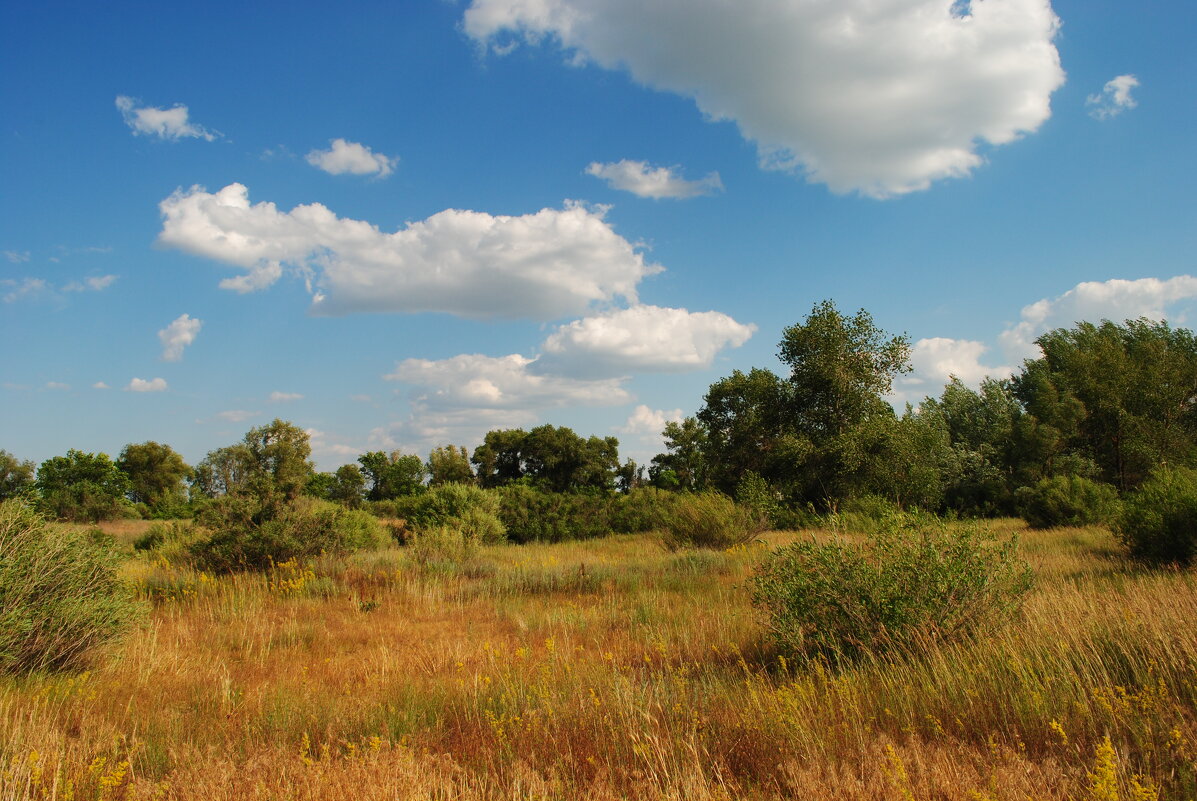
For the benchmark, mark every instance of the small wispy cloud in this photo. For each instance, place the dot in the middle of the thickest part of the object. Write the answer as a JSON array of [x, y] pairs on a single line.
[[94, 284], [351, 157], [177, 336], [644, 180], [57, 385], [26, 287], [284, 397], [165, 123], [1114, 98], [236, 415], [146, 385], [16, 257], [100, 385]]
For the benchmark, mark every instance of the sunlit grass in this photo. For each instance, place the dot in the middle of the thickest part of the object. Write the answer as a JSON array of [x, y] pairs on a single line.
[[607, 669]]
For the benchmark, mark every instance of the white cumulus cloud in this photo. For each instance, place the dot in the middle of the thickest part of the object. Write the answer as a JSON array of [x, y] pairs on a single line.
[[144, 385], [644, 180], [351, 157], [1114, 98], [640, 339], [164, 123], [1092, 301], [460, 398], [646, 421], [935, 360], [179, 334], [100, 385], [880, 98], [543, 265]]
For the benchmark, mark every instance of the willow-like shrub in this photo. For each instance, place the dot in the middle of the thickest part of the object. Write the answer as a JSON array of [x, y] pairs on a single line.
[[898, 591], [709, 520], [60, 596]]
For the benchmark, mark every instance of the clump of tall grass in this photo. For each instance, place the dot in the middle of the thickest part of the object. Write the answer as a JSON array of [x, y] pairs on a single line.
[[901, 589], [708, 520], [60, 595]]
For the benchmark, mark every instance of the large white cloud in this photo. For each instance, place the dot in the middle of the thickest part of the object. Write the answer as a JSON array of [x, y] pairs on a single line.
[[181, 332], [353, 158], [1114, 98], [474, 381], [650, 422], [1092, 301], [461, 398], [545, 265], [644, 180], [935, 360], [164, 123], [640, 339], [876, 96]]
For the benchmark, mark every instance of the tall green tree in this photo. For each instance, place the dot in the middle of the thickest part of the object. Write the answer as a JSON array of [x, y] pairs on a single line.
[[16, 476], [449, 465], [841, 368], [683, 465], [157, 475], [82, 486], [743, 416], [391, 475], [1121, 396]]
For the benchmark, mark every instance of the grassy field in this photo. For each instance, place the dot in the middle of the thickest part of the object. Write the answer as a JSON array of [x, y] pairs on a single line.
[[607, 669]]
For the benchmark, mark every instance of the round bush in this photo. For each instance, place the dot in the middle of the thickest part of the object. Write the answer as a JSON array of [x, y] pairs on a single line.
[[533, 515], [303, 528], [60, 595], [471, 510], [709, 520], [1159, 520], [1067, 501], [901, 589]]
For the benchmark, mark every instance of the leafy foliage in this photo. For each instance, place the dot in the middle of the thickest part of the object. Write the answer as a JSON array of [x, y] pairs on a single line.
[[472, 511], [16, 476], [1067, 501], [60, 595], [532, 515], [905, 588], [550, 457], [449, 465], [709, 520], [1159, 520], [82, 487], [157, 476], [392, 475], [302, 528]]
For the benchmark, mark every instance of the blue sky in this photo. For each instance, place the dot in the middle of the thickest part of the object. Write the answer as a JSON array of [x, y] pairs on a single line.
[[402, 224]]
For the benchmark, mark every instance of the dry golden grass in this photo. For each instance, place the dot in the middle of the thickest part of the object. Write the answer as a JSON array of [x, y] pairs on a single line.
[[607, 669]]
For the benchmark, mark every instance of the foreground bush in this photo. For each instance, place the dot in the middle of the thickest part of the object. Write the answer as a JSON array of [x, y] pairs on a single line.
[[303, 528], [60, 596], [709, 520], [902, 589], [1067, 501], [1159, 520], [532, 515]]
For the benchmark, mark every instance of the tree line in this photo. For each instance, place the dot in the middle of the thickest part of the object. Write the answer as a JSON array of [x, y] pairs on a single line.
[[1107, 403]]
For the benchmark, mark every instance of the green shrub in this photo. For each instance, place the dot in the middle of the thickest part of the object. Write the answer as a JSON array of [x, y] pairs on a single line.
[[441, 547], [532, 515], [1159, 520], [709, 520], [641, 510], [1067, 501], [902, 589], [303, 528], [60, 595], [469, 509]]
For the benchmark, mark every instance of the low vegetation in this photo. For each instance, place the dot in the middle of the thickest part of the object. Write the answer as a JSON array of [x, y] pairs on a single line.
[[609, 669], [60, 595]]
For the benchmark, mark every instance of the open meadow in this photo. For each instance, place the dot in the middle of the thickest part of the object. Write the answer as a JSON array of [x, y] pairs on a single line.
[[606, 669]]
